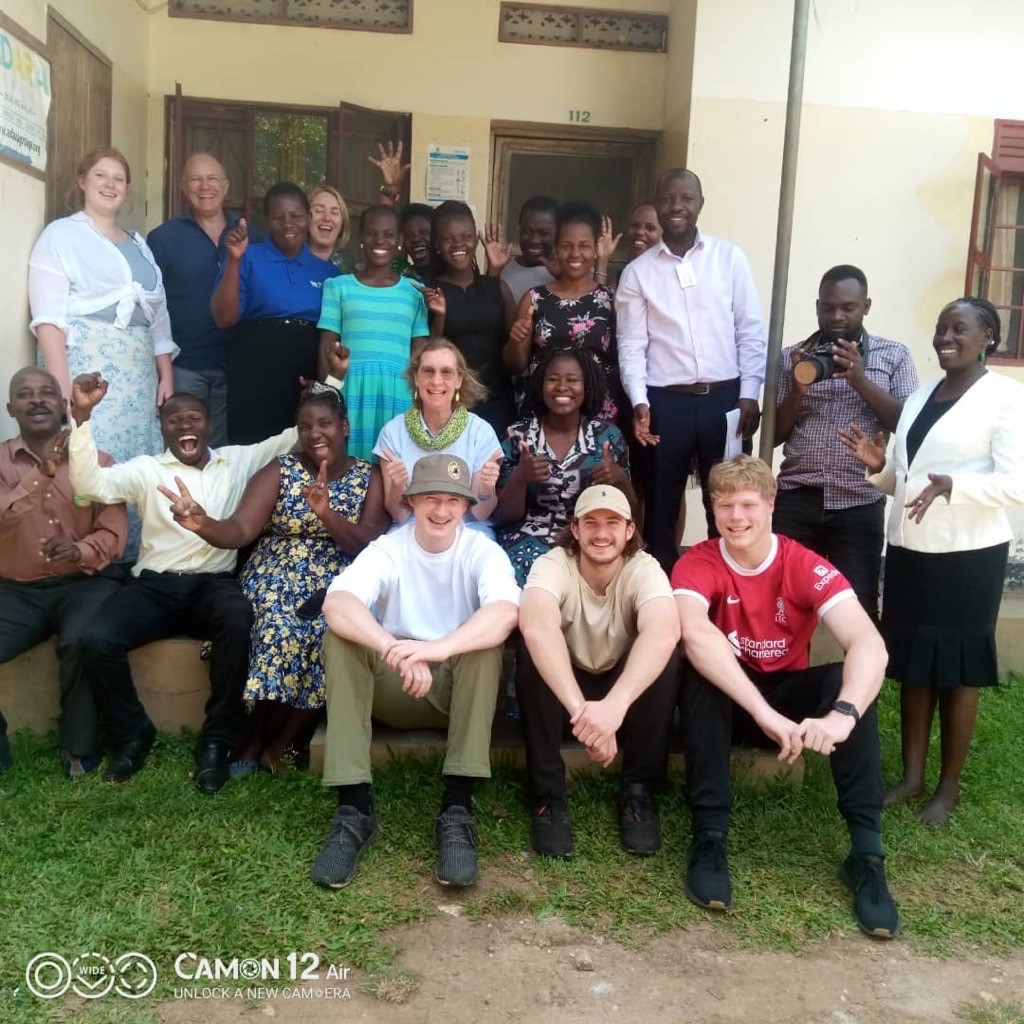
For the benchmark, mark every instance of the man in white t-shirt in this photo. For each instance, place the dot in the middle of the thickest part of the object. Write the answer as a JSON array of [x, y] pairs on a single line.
[[600, 630], [417, 624]]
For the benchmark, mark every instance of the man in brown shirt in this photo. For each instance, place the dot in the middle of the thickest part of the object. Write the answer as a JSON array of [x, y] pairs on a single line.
[[53, 555]]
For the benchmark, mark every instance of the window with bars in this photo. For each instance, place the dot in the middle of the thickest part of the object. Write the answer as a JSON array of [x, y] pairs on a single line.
[[363, 15], [995, 255], [555, 25]]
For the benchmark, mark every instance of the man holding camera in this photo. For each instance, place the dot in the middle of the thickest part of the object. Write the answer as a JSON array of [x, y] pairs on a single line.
[[838, 376]]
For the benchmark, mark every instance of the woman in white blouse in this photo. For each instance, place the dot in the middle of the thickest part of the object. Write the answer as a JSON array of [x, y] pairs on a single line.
[[98, 304], [957, 463]]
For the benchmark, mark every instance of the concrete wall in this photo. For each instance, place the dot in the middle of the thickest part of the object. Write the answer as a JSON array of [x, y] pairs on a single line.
[[451, 74], [120, 30]]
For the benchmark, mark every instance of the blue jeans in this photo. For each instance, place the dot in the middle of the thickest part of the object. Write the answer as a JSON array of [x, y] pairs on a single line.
[[212, 387]]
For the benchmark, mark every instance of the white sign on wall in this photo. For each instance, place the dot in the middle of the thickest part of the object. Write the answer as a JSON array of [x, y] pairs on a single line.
[[447, 173], [24, 102]]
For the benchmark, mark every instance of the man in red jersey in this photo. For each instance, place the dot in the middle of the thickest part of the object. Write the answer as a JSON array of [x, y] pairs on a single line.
[[748, 604]]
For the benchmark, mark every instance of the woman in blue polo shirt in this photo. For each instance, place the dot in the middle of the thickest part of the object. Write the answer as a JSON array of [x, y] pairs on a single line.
[[271, 290]]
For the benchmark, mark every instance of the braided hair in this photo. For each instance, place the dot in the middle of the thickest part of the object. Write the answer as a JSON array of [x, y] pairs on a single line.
[[987, 314], [595, 384]]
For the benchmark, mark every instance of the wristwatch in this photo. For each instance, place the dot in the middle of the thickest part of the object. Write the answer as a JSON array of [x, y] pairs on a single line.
[[844, 707]]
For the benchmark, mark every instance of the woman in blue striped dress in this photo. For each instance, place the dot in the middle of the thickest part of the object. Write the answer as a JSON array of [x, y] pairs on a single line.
[[375, 316]]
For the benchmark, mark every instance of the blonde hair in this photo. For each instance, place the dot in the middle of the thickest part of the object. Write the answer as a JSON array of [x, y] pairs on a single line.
[[346, 225], [75, 197], [742, 473], [471, 392]]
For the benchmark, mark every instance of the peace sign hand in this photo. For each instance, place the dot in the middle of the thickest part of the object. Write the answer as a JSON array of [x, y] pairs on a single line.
[[499, 252], [316, 493], [187, 512]]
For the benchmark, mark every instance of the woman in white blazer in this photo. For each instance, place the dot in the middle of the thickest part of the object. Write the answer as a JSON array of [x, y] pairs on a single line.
[[957, 462], [98, 304]]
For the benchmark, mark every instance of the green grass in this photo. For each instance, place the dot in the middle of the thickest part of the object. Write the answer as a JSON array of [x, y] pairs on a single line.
[[993, 1013], [155, 866]]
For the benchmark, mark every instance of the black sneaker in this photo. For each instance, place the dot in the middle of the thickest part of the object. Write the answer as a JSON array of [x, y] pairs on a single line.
[[455, 835], [864, 875], [350, 837], [707, 871], [551, 829], [638, 822]]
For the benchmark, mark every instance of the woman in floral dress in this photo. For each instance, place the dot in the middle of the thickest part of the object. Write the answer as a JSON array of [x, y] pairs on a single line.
[[554, 454], [313, 511], [573, 311]]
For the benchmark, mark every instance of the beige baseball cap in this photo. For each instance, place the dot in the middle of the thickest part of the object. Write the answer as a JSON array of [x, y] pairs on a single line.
[[441, 474], [602, 496]]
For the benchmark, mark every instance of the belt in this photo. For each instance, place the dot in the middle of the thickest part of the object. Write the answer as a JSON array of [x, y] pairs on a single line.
[[702, 388]]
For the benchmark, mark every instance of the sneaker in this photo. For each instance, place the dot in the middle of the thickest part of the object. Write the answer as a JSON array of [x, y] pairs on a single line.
[[350, 837], [455, 835], [79, 767], [707, 871], [551, 829], [638, 822], [864, 875]]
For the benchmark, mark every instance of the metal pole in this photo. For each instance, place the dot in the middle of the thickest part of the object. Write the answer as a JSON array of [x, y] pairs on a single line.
[[784, 230]]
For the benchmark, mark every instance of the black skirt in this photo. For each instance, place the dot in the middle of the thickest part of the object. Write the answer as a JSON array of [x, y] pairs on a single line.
[[265, 359], [939, 615]]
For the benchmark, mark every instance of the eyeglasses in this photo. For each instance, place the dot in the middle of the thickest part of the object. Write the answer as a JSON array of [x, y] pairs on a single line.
[[446, 373]]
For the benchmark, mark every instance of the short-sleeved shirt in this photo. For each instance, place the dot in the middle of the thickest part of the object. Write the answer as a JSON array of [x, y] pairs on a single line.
[[813, 455], [599, 629], [768, 614], [421, 595], [377, 324], [521, 279], [274, 286]]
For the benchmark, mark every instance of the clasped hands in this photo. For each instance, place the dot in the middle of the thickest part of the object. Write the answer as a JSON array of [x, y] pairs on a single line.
[[822, 735], [412, 659]]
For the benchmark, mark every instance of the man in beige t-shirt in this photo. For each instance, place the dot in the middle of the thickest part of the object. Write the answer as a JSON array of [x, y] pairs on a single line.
[[600, 634]]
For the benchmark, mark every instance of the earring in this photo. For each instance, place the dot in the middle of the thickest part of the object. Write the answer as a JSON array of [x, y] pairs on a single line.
[[983, 356], [458, 395]]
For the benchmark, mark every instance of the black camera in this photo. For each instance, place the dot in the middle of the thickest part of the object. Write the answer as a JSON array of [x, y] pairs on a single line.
[[817, 361]]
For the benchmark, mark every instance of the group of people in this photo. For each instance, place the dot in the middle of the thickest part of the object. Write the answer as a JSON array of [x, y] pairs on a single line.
[[424, 461]]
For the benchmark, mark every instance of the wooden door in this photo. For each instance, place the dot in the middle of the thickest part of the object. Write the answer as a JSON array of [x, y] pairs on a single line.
[[80, 109]]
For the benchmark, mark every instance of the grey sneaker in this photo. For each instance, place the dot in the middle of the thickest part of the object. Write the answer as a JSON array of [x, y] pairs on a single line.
[[455, 836], [350, 837]]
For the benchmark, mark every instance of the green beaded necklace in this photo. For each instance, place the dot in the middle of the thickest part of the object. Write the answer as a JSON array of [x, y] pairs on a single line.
[[449, 434]]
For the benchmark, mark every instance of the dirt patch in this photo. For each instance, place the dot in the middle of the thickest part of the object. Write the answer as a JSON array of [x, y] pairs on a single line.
[[519, 969]]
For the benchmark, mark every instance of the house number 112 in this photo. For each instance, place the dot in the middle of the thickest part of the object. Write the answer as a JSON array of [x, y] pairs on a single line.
[[580, 116]]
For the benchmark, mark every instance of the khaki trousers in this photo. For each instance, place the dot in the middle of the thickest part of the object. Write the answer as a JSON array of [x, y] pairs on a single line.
[[361, 686]]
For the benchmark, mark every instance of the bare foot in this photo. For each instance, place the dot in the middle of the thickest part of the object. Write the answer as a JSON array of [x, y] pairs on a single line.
[[274, 762], [904, 791], [941, 806]]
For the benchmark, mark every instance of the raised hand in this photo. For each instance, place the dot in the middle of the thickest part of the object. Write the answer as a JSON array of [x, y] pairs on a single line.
[[435, 300], [236, 241], [338, 359], [642, 427], [87, 391], [606, 242], [940, 487], [608, 471], [396, 476], [187, 512], [389, 163], [868, 451], [533, 467], [486, 478], [499, 252], [316, 493], [55, 452], [522, 330]]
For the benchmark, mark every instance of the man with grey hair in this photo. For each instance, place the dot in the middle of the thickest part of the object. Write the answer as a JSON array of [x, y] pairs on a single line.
[[190, 249]]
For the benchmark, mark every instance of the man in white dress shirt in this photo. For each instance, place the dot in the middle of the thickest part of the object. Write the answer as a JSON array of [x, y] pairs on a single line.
[[692, 347], [181, 584]]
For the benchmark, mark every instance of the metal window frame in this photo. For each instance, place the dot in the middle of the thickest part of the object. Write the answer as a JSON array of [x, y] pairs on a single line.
[[293, 22], [580, 13]]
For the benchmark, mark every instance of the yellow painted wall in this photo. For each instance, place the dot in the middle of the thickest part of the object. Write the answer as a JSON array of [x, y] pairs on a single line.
[[451, 73], [672, 149]]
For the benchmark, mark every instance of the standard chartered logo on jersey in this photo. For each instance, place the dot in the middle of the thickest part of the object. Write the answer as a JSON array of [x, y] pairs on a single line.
[[91, 975]]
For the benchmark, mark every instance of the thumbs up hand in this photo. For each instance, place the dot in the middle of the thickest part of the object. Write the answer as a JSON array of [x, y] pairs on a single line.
[[236, 241], [533, 467], [608, 471]]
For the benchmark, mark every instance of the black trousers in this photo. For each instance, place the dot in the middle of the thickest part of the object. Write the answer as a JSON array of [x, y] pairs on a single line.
[[712, 722], [210, 606], [643, 737], [850, 538], [689, 425], [31, 612]]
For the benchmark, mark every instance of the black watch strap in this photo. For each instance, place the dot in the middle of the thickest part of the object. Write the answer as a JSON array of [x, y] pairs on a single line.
[[844, 707]]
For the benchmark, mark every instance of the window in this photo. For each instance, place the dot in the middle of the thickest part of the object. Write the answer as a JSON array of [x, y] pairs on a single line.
[[260, 144], [364, 15], [552, 25], [995, 256]]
